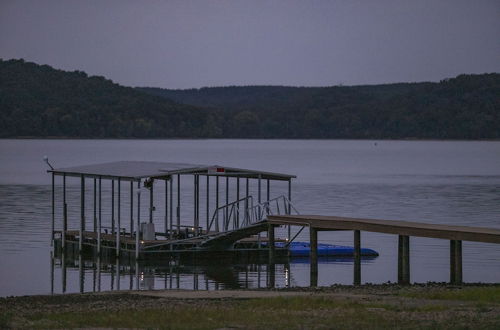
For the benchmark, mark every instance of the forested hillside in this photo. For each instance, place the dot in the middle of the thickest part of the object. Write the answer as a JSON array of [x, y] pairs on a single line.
[[39, 101], [465, 107]]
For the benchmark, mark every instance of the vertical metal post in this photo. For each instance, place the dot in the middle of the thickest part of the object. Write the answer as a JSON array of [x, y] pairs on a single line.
[[171, 204], [238, 202], [357, 257], [151, 203], [260, 200], [455, 262], [64, 273], [208, 202], [99, 219], [197, 204], [217, 203], [194, 203], [166, 208], [51, 272], [313, 243], [226, 210], [178, 203], [289, 209], [65, 214], [268, 195], [53, 211], [95, 205], [138, 228], [82, 212], [81, 273], [119, 220], [247, 215], [131, 208], [112, 206]]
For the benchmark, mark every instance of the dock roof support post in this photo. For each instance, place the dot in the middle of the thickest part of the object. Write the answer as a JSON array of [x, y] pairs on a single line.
[[137, 230], [404, 259], [171, 205], [95, 205], [357, 257], [260, 212], [112, 206], [247, 213], [455, 262], [119, 219], [99, 219], [178, 203], [289, 208], [313, 245], [217, 203], [131, 208], [65, 214], [226, 210], [238, 202], [53, 211], [82, 212], [194, 204], [208, 202], [197, 204], [166, 208], [151, 202]]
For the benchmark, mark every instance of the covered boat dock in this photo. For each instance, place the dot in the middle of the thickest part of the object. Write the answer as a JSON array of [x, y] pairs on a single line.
[[236, 211]]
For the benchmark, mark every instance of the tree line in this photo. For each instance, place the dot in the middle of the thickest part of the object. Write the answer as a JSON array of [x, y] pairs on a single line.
[[40, 101]]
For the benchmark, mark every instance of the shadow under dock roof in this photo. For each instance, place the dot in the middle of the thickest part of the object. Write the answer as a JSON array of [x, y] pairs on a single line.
[[136, 170]]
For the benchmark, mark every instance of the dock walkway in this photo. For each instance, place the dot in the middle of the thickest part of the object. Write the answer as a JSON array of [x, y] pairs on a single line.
[[405, 229]]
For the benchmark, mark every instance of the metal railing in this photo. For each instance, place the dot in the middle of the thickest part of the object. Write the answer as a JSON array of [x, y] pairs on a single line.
[[228, 216], [275, 206]]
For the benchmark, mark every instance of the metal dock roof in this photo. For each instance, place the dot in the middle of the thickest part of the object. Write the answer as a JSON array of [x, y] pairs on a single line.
[[136, 170]]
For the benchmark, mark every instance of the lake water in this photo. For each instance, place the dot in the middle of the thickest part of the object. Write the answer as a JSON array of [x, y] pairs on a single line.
[[432, 181]]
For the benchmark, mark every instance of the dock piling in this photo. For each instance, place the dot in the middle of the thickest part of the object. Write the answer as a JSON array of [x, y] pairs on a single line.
[[455, 262], [313, 245], [82, 212], [357, 257], [404, 259]]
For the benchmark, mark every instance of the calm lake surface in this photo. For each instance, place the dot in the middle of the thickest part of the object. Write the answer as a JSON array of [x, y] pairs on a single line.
[[432, 181]]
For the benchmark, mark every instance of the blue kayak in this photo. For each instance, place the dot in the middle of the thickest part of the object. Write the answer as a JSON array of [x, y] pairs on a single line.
[[301, 249]]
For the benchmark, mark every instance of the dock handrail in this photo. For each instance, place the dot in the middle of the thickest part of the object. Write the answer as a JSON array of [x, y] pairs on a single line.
[[230, 213], [260, 211]]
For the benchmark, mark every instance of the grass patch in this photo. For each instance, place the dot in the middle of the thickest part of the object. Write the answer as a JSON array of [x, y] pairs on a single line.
[[481, 295]]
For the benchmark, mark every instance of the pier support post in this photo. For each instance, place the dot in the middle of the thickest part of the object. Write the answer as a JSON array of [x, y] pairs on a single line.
[[53, 211], [65, 214], [272, 248], [404, 259], [455, 262], [151, 201], [138, 228], [178, 203], [82, 212], [272, 255], [112, 206], [208, 202], [119, 219], [357, 257], [313, 244], [99, 219]]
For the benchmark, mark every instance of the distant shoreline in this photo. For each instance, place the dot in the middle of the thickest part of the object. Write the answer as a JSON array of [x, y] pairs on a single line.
[[249, 139]]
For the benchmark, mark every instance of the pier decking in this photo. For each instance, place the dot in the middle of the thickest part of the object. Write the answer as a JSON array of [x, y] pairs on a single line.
[[405, 229]]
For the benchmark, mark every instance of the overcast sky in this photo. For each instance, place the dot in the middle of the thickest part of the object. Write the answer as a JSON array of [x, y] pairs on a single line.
[[183, 44]]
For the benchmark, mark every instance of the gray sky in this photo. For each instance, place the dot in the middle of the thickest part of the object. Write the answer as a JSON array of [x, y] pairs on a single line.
[[183, 44]]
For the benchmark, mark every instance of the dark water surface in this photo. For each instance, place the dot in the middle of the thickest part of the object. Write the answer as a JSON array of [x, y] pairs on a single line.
[[437, 182]]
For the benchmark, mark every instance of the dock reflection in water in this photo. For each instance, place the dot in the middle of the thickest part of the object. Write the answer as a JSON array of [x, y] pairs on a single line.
[[71, 272]]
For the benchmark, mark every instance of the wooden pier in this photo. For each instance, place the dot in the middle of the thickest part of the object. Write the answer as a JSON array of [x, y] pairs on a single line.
[[404, 229]]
